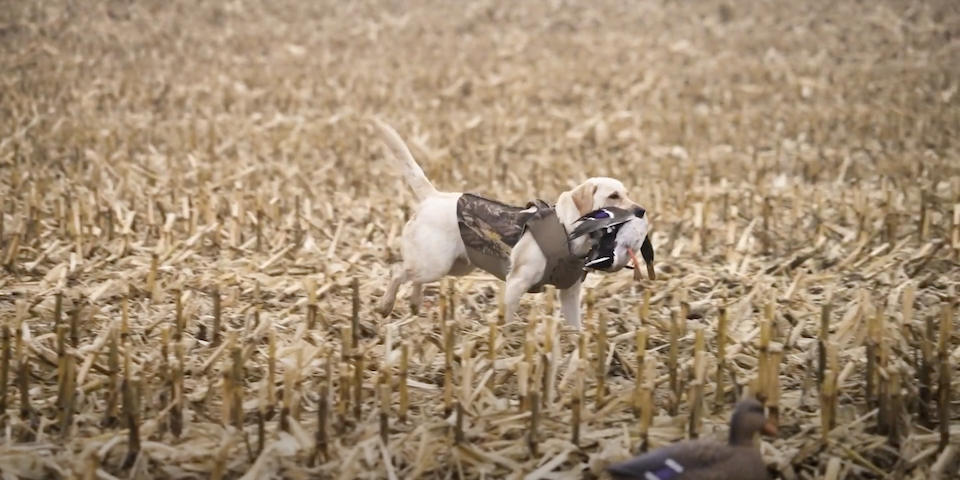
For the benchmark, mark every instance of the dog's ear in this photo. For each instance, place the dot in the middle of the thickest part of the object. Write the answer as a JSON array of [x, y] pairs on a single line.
[[582, 197]]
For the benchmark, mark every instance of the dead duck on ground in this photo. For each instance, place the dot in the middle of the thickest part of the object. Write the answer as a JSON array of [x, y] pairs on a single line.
[[613, 233], [704, 459]]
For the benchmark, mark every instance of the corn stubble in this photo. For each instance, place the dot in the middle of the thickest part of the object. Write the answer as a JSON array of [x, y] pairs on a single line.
[[195, 229]]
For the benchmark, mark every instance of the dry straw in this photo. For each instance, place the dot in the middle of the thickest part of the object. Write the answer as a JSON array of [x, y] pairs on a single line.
[[197, 221]]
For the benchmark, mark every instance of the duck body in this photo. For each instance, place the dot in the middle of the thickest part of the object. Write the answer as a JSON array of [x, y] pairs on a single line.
[[703, 459], [614, 233], [699, 459]]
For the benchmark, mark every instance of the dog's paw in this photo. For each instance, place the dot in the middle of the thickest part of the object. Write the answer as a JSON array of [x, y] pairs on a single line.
[[384, 309]]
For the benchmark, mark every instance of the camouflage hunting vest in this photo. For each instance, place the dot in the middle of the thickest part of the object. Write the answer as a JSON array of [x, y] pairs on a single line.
[[490, 229]]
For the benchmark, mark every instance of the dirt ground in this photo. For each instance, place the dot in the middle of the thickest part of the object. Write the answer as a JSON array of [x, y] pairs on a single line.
[[798, 160]]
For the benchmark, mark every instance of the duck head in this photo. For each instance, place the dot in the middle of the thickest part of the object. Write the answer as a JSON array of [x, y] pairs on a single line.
[[749, 419]]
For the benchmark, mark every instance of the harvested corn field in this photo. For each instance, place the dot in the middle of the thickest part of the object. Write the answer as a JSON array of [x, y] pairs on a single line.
[[199, 220]]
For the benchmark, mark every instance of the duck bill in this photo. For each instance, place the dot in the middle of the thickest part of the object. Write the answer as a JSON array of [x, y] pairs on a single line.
[[646, 251], [770, 429]]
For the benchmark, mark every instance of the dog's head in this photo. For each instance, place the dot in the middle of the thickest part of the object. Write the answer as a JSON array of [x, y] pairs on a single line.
[[593, 194]]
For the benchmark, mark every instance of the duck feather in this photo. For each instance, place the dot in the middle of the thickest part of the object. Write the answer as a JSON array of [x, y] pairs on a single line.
[[601, 219]]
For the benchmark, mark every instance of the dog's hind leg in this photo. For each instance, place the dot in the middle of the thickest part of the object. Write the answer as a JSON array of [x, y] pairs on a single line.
[[418, 272], [416, 297], [461, 266], [430, 247], [424, 272], [398, 277]]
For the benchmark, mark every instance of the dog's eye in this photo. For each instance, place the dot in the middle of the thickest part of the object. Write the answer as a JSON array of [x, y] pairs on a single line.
[[614, 196]]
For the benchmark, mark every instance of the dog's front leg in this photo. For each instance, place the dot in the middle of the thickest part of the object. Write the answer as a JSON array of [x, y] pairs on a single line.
[[518, 282], [570, 304]]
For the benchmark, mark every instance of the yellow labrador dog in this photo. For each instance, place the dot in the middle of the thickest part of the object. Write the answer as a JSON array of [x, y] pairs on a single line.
[[452, 233]]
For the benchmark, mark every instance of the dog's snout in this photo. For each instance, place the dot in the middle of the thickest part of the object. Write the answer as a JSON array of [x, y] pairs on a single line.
[[639, 211]]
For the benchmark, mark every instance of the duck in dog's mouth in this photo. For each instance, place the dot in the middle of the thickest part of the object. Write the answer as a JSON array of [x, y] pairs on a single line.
[[604, 227]]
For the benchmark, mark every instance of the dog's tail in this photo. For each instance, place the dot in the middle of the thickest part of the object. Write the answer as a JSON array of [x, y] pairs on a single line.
[[412, 173]]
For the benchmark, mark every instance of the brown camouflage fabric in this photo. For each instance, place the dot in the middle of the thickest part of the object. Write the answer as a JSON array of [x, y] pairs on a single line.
[[490, 229]]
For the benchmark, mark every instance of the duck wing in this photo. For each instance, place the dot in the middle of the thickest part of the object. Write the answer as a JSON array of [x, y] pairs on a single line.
[[697, 459], [599, 219]]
